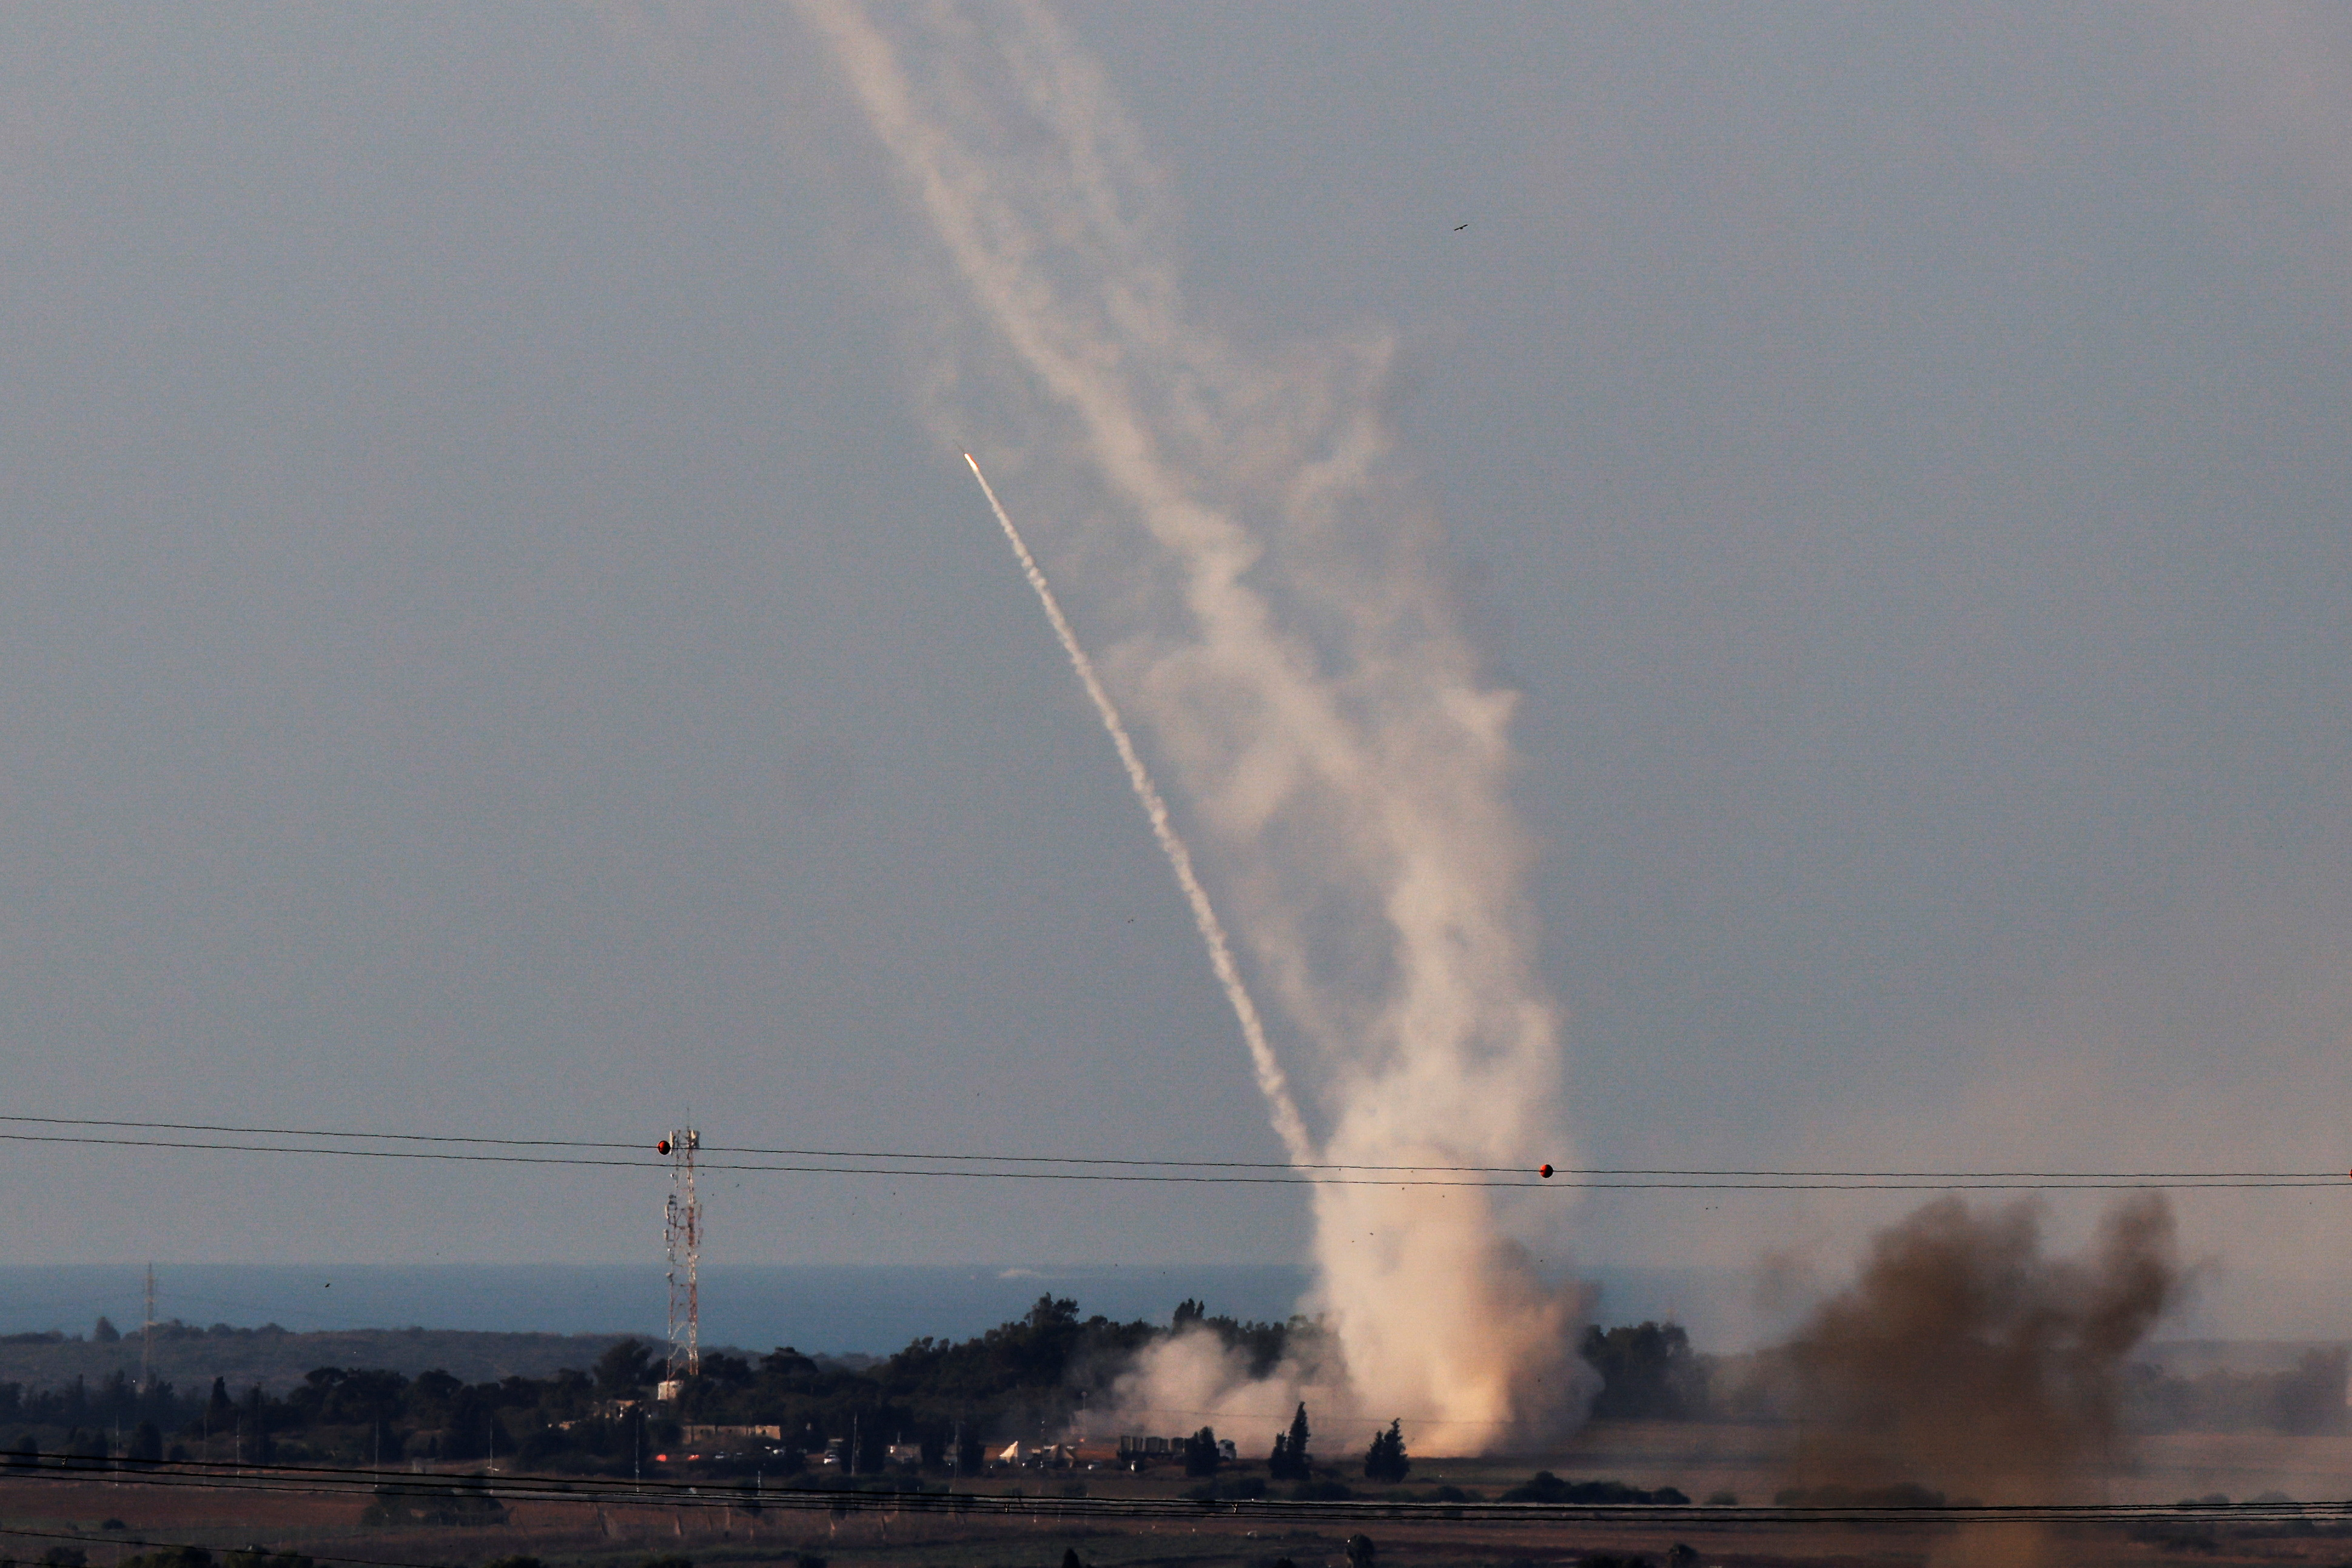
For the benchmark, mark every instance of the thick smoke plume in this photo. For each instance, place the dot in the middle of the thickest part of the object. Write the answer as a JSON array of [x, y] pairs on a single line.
[[1965, 1360], [1231, 533]]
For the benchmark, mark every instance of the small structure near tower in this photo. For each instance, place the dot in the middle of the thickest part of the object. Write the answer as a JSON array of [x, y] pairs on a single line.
[[682, 1233]]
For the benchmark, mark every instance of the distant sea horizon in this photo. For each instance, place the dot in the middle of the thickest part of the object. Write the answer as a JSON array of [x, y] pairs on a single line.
[[820, 1309], [877, 1309]]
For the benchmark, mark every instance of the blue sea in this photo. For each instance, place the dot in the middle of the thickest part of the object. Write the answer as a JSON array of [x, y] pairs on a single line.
[[819, 1309], [842, 1310]]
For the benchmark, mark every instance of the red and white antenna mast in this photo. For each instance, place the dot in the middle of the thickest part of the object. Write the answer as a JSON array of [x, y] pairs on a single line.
[[682, 1230]]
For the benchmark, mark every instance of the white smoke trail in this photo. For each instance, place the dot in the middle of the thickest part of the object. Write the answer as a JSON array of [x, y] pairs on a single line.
[[1283, 1110], [1295, 666]]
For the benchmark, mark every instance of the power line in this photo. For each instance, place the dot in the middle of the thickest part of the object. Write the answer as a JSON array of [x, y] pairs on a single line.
[[649, 1163], [325, 1132], [749, 1149], [1596, 1181], [334, 1481], [911, 1164]]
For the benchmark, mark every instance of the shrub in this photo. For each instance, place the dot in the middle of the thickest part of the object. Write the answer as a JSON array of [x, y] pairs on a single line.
[[255, 1557], [170, 1557], [1546, 1487], [1385, 1460]]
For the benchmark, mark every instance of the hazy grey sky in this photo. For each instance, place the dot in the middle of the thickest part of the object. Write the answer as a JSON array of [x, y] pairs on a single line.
[[494, 644]]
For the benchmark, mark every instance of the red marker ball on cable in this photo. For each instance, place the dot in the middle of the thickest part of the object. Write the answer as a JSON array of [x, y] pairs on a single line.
[[662, 1147], [1544, 1172]]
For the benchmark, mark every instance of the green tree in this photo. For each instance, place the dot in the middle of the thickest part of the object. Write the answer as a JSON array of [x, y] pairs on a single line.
[[104, 1332], [146, 1446], [1289, 1462], [624, 1369], [254, 1421], [1200, 1453], [1647, 1370], [1385, 1460], [787, 1364]]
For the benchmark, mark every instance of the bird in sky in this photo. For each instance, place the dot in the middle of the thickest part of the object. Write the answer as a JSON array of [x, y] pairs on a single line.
[[1459, 227]]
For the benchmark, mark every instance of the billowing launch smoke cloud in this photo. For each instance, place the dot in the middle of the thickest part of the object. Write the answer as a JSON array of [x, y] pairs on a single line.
[[1964, 1359], [1266, 615]]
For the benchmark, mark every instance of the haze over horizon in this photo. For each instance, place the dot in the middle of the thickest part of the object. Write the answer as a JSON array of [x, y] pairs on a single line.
[[499, 647]]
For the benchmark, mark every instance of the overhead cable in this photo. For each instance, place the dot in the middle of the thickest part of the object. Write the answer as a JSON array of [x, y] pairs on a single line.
[[676, 1494], [914, 1164]]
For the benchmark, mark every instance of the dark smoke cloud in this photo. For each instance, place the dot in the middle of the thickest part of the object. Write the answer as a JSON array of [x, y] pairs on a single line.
[[1965, 1360]]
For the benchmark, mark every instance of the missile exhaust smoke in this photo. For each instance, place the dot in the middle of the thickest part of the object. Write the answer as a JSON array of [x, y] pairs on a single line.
[[1256, 581], [1271, 1079]]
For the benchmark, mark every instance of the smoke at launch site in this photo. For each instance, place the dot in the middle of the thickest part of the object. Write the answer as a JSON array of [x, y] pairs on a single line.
[[1255, 573]]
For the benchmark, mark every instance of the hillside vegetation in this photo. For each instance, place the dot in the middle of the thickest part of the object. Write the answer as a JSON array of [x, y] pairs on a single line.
[[275, 1359]]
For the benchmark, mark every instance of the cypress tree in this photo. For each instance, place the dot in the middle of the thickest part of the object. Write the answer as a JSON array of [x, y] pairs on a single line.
[[1385, 1460], [1288, 1461]]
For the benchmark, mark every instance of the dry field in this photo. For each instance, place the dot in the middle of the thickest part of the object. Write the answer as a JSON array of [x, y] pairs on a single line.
[[108, 1521]]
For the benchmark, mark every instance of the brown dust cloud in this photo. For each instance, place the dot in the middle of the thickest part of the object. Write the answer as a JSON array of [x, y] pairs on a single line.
[[1965, 1359]]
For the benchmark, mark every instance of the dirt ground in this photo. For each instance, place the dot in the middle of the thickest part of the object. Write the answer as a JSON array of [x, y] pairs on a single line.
[[107, 1521]]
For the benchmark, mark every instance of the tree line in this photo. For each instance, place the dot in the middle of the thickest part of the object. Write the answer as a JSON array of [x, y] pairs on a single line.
[[938, 1400], [940, 1404]]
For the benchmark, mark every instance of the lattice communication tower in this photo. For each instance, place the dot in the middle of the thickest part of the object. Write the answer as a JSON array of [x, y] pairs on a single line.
[[682, 1230]]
